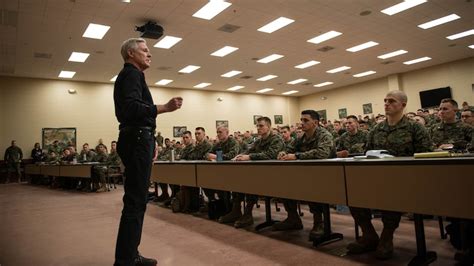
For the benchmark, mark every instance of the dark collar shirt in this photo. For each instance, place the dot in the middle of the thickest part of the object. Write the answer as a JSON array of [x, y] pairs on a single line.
[[134, 105]]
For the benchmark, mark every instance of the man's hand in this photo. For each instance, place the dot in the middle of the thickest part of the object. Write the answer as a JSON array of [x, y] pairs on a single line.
[[172, 105], [242, 157], [288, 157], [342, 154], [211, 156]]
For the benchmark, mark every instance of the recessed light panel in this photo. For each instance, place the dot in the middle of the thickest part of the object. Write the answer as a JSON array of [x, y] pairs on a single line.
[[276, 25], [95, 31], [211, 9], [264, 90], [167, 42], [224, 51], [307, 64], [189, 69], [164, 82], [324, 84], [406, 4], [270, 58], [324, 37], [78, 57], [67, 74], [267, 77], [231, 74], [392, 54], [339, 69], [418, 60]]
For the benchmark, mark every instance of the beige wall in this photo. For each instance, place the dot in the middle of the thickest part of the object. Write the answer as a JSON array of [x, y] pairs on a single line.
[[459, 75], [28, 105]]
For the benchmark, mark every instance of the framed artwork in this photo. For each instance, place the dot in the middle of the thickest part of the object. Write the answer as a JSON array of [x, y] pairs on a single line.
[[255, 117], [278, 119], [322, 114], [367, 108], [342, 113], [65, 136], [222, 123], [178, 131]]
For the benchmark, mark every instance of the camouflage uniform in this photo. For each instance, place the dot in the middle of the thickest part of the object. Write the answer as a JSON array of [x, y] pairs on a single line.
[[352, 143], [230, 148], [100, 171], [12, 157], [200, 150], [290, 144], [457, 133], [85, 157], [404, 139], [186, 152], [165, 154], [318, 146]]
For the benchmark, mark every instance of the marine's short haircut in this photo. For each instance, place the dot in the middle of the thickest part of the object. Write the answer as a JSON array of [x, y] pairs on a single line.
[[130, 44], [285, 127], [402, 96], [200, 128], [352, 117], [265, 119], [451, 101], [313, 114], [187, 132]]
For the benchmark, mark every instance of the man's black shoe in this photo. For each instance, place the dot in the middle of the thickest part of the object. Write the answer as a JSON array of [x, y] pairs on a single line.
[[142, 261]]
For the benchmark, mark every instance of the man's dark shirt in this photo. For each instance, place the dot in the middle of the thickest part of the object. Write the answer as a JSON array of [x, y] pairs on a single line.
[[133, 102]]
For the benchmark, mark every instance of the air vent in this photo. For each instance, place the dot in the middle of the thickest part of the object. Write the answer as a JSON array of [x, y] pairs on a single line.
[[387, 62], [246, 77], [164, 68], [229, 28], [307, 83], [325, 49], [8, 18], [42, 55]]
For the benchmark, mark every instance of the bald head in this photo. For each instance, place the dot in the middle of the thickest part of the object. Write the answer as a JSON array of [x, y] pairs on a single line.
[[222, 133]]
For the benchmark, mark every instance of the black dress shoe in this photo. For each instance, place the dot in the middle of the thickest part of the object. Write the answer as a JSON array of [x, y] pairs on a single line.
[[142, 261]]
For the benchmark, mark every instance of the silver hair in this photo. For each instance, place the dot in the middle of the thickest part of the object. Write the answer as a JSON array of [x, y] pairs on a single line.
[[130, 44]]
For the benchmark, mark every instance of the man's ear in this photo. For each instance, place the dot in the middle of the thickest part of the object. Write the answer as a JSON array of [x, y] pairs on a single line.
[[130, 52], [404, 104]]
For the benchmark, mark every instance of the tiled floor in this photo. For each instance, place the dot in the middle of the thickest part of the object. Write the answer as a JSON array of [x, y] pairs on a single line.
[[43, 226]]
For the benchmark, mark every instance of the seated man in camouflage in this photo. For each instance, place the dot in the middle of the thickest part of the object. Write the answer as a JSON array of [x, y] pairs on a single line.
[[13, 156], [315, 143], [467, 116], [450, 133], [229, 148], [266, 147], [288, 140], [401, 137], [353, 140], [86, 155], [99, 172], [165, 155], [113, 160], [202, 146]]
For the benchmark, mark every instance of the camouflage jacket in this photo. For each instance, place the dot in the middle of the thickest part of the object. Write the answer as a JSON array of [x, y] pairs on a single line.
[[84, 156], [100, 157], [13, 154], [165, 154], [186, 152], [114, 159], [456, 133], [230, 148], [352, 143], [266, 149], [318, 146], [404, 139], [290, 144], [200, 150]]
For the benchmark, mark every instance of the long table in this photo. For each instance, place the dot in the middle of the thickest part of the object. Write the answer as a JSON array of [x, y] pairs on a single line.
[[436, 186], [66, 170]]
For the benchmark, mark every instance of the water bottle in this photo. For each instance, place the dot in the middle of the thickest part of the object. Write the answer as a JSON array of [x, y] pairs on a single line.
[[172, 156], [219, 155]]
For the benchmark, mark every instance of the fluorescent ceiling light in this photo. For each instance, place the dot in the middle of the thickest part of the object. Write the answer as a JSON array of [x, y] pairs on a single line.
[[324, 84], [276, 24], [95, 31], [290, 92], [363, 74], [202, 85], [267, 77], [264, 90], [189, 69], [211, 9], [324, 37], [439, 21], [114, 78], [339, 69], [231, 73], [417, 60], [78, 57], [225, 51], [235, 88], [270, 58], [362, 46], [407, 4], [461, 34], [471, 46], [164, 82], [167, 42], [392, 54], [296, 81], [307, 64], [67, 74]]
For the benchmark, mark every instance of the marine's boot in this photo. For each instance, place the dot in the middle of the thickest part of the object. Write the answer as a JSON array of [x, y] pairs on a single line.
[[247, 218], [384, 249], [233, 215], [293, 221], [318, 225]]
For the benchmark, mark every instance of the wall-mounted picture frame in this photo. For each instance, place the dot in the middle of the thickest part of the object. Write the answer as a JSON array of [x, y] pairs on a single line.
[[222, 123], [255, 117], [278, 119], [342, 113], [322, 114], [178, 131], [367, 108], [65, 136]]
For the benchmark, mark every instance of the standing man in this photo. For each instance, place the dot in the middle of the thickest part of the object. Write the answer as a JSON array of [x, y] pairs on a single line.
[[401, 137], [136, 113], [12, 157]]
